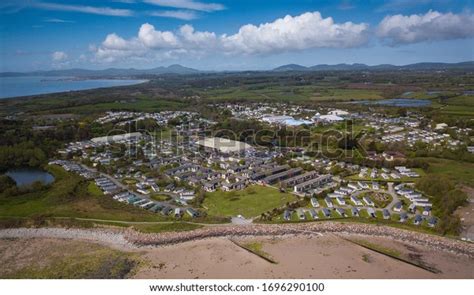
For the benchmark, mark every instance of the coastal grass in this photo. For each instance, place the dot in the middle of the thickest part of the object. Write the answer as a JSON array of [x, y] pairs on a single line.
[[249, 202], [71, 196], [457, 171], [166, 227], [94, 190], [64, 260]]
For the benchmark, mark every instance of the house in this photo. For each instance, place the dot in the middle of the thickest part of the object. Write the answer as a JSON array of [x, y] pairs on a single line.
[[326, 212], [313, 183], [371, 212], [398, 207], [300, 213], [432, 221], [313, 214], [362, 185], [156, 208], [227, 186], [314, 202], [356, 201], [271, 179], [418, 219], [403, 217], [147, 205], [155, 188], [368, 201], [341, 212], [328, 202], [187, 195], [178, 212], [386, 214], [169, 187], [412, 208], [426, 211], [211, 186], [355, 212], [166, 211], [287, 215], [340, 201], [191, 212], [353, 186], [300, 178]]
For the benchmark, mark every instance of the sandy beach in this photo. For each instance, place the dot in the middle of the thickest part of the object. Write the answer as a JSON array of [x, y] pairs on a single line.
[[301, 257], [319, 250]]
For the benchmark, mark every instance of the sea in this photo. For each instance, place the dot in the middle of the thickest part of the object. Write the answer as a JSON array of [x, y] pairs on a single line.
[[33, 85]]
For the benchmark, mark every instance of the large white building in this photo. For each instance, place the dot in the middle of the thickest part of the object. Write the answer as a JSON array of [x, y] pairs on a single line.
[[225, 145], [329, 118], [340, 113], [116, 138]]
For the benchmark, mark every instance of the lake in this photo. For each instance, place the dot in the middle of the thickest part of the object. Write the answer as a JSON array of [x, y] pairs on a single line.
[[26, 176], [23, 86], [397, 102]]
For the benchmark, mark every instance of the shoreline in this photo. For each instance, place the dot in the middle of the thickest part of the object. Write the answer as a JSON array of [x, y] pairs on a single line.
[[131, 239]]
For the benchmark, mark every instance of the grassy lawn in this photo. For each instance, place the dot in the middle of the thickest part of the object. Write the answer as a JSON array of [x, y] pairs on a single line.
[[381, 200], [160, 198], [249, 202], [456, 170]]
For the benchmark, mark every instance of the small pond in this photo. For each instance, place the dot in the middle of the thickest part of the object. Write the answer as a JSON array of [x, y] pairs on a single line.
[[26, 176]]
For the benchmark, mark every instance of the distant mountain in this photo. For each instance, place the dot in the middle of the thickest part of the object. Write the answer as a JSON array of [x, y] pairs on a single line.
[[361, 67], [178, 69], [111, 72], [290, 67]]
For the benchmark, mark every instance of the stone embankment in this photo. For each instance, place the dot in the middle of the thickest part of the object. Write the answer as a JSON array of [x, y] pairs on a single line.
[[127, 238], [436, 242]]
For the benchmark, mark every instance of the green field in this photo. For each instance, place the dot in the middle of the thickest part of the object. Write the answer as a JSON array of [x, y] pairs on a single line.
[[250, 202], [458, 171], [290, 93]]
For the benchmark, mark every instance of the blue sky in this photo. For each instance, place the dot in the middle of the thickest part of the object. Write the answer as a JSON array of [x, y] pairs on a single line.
[[231, 35]]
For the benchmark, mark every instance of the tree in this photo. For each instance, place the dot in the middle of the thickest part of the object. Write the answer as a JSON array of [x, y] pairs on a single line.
[[6, 182]]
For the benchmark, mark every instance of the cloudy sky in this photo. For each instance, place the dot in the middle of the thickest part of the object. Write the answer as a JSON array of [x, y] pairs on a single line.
[[231, 34]]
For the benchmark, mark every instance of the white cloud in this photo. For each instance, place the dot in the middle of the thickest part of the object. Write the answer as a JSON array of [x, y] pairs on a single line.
[[306, 31], [83, 9], [179, 14], [432, 26], [59, 56], [197, 40], [157, 39], [57, 20], [187, 4]]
